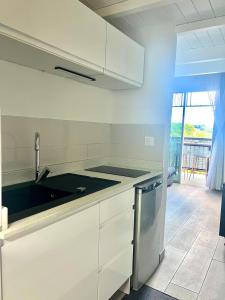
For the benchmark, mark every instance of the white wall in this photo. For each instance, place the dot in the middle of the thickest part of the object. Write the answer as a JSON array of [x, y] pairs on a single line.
[[152, 104], [31, 93]]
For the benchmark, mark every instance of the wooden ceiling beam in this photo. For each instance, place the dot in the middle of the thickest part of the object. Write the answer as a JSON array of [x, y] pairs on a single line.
[[131, 6], [201, 25]]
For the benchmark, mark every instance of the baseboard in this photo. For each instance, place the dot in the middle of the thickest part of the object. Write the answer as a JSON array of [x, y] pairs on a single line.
[[161, 256]]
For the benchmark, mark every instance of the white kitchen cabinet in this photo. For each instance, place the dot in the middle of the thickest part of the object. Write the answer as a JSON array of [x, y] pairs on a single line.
[[116, 205], [115, 236], [115, 243], [66, 25], [124, 57], [115, 273], [46, 35], [58, 262]]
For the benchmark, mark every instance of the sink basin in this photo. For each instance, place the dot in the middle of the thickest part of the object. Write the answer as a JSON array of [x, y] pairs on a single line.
[[26, 199], [79, 184], [23, 200]]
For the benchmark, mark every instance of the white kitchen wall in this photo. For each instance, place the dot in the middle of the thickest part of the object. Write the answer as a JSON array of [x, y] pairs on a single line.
[[31, 93], [67, 146], [152, 103]]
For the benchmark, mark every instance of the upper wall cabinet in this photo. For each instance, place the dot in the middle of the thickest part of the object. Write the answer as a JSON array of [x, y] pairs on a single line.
[[67, 25], [68, 39], [124, 56]]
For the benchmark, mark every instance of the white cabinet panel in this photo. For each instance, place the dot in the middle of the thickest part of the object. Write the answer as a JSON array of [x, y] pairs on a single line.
[[68, 25], [115, 236], [115, 273], [115, 243], [58, 262], [115, 205], [124, 57]]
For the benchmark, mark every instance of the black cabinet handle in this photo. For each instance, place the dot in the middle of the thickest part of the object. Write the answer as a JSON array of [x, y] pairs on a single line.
[[75, 73]]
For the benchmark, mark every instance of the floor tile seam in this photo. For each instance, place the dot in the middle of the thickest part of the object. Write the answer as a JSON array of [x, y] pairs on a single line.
[[177, 268], [187, 251], [208, 268], [179, 229], [183, 261], [214, 249], [184, 288], [222, 262]]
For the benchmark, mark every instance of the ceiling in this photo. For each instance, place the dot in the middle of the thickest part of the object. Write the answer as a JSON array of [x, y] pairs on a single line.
[[181, 11], [211, 37], [97, 4]]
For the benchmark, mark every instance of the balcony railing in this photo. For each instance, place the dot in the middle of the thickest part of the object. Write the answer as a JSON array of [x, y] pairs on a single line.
[[195, 153]]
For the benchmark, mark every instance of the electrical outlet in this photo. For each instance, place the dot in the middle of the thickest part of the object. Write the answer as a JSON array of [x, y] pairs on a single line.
[[149, 141]]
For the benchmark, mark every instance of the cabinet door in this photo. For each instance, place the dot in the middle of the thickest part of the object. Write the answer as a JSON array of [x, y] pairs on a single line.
[[124, 56], [58, 262], [116, 205], [115, 273], [115, 236], [67, 25], [115, 253]]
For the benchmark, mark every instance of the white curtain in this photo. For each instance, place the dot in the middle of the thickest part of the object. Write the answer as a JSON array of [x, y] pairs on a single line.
[[215, 177]]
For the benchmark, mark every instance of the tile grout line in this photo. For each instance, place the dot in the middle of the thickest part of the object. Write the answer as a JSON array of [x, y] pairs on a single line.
[[187, 252], [208, 267], [203, 229], [182, 262], [222, 262], [180, 229]]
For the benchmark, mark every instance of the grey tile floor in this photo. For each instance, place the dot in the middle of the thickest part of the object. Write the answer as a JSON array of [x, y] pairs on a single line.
[[194, 265], [145, 293]]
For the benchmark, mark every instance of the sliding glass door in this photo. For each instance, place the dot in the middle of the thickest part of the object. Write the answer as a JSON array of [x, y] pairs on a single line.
[[191, 132], [176, 134]]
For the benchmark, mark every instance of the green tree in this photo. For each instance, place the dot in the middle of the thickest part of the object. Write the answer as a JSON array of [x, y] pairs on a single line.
[[190, 130]]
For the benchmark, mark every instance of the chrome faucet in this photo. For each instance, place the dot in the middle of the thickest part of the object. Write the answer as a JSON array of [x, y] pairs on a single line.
[[39, 175]]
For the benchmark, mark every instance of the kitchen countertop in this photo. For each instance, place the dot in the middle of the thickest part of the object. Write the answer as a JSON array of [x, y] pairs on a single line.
[[40, 220]]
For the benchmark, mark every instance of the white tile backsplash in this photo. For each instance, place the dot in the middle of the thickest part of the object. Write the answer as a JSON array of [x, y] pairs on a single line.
[[75, 143]]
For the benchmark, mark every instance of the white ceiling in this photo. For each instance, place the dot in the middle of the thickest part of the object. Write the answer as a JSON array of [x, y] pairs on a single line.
[[181, 11], [96, 4], [211, 37]]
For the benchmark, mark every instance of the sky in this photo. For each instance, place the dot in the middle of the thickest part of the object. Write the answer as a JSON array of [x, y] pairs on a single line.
[[196, 115], [199, 116]]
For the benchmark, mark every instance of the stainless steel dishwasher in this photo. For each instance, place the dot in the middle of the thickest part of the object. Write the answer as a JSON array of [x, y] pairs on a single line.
[[148, 200]]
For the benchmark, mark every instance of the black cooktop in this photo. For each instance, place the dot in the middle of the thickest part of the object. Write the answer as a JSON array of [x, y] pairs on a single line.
[[118, 171]]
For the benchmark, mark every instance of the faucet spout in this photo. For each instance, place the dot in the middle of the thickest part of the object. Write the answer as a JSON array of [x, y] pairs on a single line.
[[37, 154], [43, 174], [39, 175]]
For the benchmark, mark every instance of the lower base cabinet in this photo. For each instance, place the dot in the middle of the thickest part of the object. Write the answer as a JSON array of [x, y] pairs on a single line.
[[58, 262], [86, 256], [115, 243], [115, 273]]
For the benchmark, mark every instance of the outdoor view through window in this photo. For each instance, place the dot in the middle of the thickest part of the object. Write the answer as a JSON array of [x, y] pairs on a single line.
[[199, 115], [191, 132]]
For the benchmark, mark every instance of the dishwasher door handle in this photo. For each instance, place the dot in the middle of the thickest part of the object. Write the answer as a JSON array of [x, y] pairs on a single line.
[[151, 188]]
